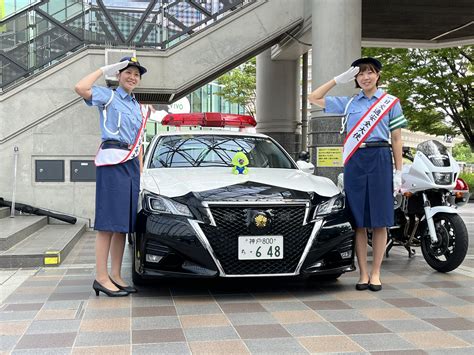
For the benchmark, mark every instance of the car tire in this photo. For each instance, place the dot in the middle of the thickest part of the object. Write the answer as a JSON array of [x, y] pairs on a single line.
[[136, 277]]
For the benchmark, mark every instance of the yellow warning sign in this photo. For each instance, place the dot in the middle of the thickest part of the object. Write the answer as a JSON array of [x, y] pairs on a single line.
[[52, 258], [329, 157]]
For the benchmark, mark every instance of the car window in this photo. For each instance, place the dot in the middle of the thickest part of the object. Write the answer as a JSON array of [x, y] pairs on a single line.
[[216, 151]]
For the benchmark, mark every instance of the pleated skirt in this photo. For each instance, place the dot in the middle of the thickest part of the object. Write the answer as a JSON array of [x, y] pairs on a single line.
[[368, 182], [116, 198]]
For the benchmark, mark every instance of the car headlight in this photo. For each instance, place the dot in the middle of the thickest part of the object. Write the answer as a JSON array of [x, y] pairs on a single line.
[[333, 205], [160, 204], [443, 178]]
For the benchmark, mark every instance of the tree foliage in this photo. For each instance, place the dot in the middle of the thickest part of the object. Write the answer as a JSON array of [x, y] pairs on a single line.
[[434, 86], [239, 86], [462, 152]]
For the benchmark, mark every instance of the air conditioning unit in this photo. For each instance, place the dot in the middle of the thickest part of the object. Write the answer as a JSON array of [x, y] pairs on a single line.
[[113, 56]]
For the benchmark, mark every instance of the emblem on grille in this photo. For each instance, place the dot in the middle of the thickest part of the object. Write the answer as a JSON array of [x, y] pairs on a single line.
[[261, 221]]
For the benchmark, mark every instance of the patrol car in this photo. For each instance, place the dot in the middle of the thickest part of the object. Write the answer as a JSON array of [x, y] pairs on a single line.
[[200, 217]]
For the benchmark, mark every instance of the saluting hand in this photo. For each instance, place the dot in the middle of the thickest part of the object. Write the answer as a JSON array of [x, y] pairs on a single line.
[[113, 69], [347, 76]]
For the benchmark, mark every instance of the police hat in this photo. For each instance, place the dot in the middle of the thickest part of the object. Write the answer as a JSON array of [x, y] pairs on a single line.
[[368, 60], [133, 62]]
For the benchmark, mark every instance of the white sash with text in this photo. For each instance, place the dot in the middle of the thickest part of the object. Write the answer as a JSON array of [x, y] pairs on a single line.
[[366, 124], [114, 156]]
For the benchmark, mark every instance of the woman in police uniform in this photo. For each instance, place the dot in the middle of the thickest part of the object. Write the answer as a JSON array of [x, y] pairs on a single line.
[[118, 169], [368, 178]]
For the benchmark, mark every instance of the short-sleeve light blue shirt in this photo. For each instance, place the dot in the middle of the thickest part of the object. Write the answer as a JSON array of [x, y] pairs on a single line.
[[359, 106], [124, 117]]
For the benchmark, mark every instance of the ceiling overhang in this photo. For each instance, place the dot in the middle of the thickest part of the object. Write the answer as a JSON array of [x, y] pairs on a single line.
[[401, 24]]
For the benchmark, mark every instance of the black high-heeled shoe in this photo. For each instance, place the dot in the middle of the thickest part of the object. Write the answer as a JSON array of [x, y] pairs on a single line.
[[362, 286], [129, 289], [375, 288], [99, 288]]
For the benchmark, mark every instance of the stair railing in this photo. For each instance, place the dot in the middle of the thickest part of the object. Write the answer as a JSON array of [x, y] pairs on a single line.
[[15, 167], [159, 26]]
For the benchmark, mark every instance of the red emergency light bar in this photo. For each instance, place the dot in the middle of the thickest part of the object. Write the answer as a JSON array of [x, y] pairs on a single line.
[[208, 119]]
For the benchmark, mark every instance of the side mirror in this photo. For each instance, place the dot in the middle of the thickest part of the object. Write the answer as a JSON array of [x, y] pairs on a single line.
[[406, 153], [305, 166]]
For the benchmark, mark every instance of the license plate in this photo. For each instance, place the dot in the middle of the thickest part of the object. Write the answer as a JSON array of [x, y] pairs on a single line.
[[261, 248]]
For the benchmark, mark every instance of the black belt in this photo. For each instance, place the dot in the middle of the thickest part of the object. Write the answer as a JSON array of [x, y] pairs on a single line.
[[375, 144], [110, 144]]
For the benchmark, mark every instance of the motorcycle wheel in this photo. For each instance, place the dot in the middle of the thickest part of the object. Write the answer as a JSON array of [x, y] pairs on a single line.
[[450, 250]]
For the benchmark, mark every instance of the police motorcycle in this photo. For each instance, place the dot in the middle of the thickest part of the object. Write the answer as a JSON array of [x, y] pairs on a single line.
[[426, 213]]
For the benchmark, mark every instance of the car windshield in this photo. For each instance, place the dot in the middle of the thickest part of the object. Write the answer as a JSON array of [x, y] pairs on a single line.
[[187, 150]]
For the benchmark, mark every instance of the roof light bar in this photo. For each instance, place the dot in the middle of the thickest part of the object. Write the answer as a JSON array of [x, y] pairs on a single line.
[[208, 119]]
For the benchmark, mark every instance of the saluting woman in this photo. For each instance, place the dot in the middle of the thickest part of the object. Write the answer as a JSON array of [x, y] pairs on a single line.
[[119, 163], [371, 119]]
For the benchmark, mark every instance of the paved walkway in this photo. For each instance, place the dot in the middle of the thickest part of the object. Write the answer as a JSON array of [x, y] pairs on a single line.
[[54, 311]]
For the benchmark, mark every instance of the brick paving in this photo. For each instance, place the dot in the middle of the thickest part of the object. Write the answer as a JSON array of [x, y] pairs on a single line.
[[419, 311]]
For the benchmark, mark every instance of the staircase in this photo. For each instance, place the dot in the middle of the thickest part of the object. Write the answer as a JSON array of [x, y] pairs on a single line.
[[34, 241]]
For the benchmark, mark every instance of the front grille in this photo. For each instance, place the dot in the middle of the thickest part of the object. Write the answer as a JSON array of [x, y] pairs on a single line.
[[231, 222]]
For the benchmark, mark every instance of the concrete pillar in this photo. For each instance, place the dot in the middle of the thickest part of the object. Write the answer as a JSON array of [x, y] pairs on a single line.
[[277, 100], [336, 43]]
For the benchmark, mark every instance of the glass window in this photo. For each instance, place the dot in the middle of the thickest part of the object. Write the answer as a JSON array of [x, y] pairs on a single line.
[[216, 99], [196, 104], [8, 7]]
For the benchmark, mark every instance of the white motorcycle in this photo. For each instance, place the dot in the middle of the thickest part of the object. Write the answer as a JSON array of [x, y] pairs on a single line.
[[426, 209]]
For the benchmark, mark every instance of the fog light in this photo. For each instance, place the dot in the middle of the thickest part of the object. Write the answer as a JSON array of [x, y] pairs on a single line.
[[346, 254], [153, 258]]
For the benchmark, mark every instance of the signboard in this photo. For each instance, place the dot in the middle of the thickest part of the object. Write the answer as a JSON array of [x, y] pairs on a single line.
[[181, 106], [329, 157]]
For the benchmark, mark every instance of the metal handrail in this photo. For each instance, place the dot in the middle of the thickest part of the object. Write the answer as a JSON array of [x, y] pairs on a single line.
[[171, 22]]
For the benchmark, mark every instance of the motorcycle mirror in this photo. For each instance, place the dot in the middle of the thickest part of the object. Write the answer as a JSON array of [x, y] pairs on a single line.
[[406, 153]]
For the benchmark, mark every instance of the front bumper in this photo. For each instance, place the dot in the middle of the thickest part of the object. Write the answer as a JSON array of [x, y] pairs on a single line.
[[174, 246]]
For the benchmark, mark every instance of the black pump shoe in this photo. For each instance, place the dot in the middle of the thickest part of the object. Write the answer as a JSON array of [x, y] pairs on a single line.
[[129, 289], [362, 287], [375, 288], [99, 288]]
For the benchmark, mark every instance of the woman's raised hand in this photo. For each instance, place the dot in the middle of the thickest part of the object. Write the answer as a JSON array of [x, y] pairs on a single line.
[[347, 76], [113, 69]]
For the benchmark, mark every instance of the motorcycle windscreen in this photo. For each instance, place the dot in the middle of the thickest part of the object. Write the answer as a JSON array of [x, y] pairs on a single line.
[[436, 152]]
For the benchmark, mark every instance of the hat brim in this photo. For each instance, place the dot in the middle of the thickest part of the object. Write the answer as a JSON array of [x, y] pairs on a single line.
[[368, 60], [141, 69]]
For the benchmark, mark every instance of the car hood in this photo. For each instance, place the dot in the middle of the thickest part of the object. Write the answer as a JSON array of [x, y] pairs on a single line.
[[173, 182]]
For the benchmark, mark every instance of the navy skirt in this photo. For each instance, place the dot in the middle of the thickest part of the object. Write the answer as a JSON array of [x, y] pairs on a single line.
[[116, 197], [368, 182]]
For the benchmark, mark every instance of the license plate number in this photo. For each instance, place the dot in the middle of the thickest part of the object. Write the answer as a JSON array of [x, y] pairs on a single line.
[[261, 248]]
